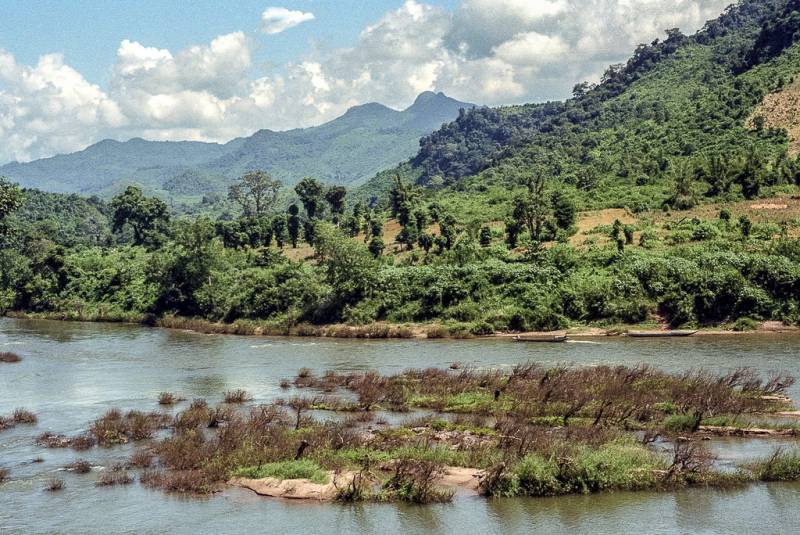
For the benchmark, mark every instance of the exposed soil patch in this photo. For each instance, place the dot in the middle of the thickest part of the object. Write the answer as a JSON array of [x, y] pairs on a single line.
[[781, 109]]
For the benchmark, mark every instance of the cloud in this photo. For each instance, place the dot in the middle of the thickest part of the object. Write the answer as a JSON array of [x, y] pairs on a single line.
[[50, 108], [485, 51], [279, 19]]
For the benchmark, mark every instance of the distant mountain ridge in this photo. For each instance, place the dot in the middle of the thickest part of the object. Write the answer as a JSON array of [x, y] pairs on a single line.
[[347, 150]]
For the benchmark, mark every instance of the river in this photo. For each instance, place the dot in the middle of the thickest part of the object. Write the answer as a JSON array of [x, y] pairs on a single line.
[[73, 372]]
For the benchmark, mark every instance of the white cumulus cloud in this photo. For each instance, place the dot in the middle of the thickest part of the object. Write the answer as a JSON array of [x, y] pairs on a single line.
[[279, 19], [483, 51]]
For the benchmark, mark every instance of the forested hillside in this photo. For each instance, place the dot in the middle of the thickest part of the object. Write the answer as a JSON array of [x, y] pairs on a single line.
[[665, 196], [675, 106]]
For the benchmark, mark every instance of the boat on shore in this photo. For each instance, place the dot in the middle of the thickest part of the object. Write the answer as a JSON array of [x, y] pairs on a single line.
[[546, 337], [660, 334]]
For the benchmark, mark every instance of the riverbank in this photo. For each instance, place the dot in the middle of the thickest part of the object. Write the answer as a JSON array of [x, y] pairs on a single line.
[[383, 330]]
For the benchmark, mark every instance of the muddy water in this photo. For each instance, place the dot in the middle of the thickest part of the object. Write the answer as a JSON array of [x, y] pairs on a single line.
[[72, 373]]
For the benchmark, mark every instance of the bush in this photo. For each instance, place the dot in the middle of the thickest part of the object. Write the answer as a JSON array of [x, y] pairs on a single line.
[[9, 358], [237, 396], [746, 324], [482, 328], [537, 476], [780, 466], [681, 423]]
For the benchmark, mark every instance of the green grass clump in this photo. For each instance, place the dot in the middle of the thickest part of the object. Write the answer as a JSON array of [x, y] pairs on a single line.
[[781, 466], [681, 423], [618, 465], [622, 464], [469, 402], [301, 469]]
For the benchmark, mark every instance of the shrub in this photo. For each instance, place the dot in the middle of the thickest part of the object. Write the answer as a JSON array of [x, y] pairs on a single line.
[[780, 466], [110, 478], [54, 484], [237, 396], [299, 469], [537, 476], [79, 467], [746, 324], [482, 328], [414, 481], [436, 331], [168, 398], [22, 416], [9, 358], [141, 459], [681, 423]]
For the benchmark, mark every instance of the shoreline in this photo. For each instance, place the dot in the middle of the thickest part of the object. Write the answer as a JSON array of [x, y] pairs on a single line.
[[380, 330]]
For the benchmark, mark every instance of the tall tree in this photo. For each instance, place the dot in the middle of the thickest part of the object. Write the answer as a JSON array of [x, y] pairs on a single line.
[[717, 173], [11, 200], [279, 230], [293, 224], [563, 210], [335, 198], [310, 192], [147, 217], [255, 192], [531, 208]]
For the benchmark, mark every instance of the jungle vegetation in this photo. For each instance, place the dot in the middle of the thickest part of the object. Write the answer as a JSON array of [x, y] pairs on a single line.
[[481, 231]]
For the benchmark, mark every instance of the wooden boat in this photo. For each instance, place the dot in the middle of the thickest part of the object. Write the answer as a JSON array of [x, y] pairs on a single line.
[[660, 334], [552, 338]]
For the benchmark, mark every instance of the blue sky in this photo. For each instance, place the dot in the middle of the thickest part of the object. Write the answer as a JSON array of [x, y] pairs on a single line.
[[73, 73], [89, 35]]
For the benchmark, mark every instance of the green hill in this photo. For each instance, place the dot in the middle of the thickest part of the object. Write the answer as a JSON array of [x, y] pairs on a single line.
[[681, 100], [347, 150]]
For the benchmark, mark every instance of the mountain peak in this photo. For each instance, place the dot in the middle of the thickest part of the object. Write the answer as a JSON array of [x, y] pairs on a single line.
[[429, 101], [369, 109]]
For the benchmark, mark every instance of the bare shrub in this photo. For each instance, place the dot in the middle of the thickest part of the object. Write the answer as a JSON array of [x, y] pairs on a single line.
[[168, 398], [415, 481], [141, 459], [237, 396], [22, 416], [110, 478], [9, 358], [54, 485], [79, 466]]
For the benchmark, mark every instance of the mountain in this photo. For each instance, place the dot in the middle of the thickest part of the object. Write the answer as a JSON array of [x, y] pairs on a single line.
[[347, 150], [674, 106]]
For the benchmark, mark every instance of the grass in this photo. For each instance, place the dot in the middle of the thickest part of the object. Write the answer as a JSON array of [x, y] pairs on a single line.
[[750, 423], [782, 465], [681, 423], [621, 464], [300, 469]]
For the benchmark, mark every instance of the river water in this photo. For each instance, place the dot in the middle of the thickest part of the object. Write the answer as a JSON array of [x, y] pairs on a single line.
[[73, 372]]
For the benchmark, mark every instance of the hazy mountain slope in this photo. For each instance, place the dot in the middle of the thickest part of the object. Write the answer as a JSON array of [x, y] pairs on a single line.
[[107, 162], [346, 150]]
